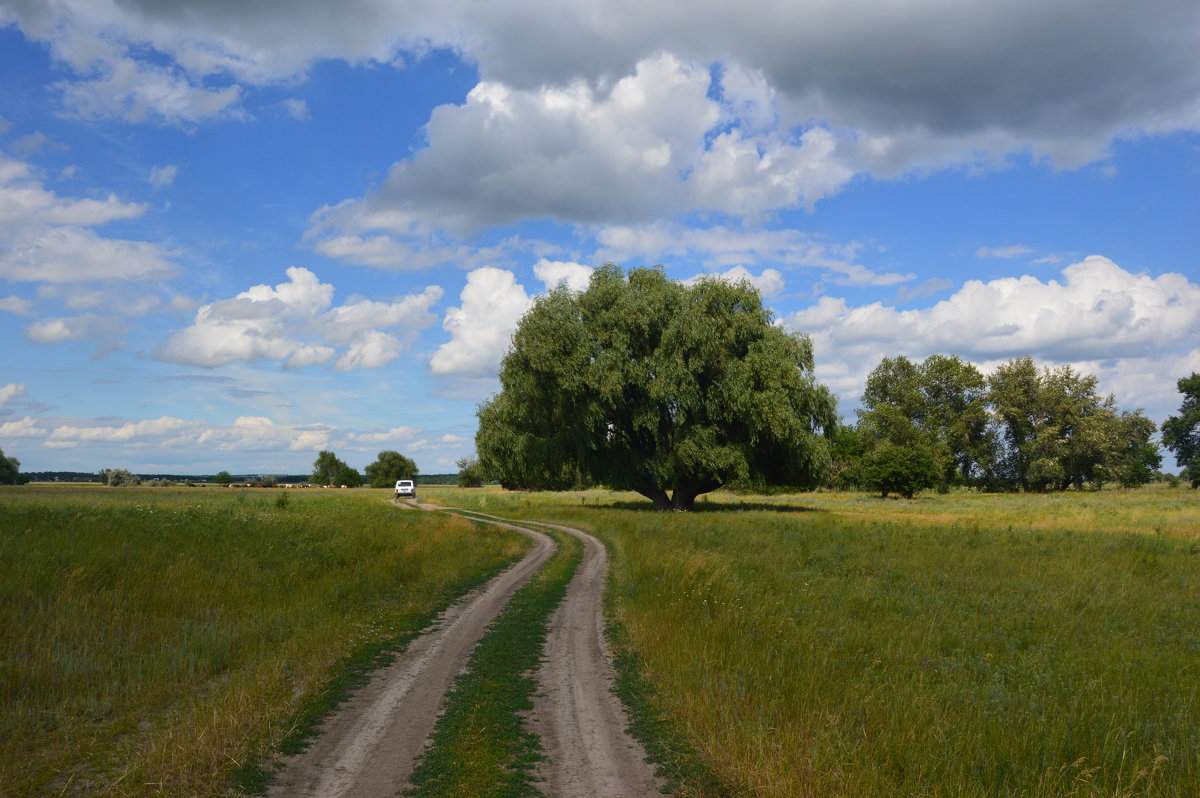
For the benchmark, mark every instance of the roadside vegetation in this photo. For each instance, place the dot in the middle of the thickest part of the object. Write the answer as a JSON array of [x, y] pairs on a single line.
[[959, 644], [480, 746], [161, 641]]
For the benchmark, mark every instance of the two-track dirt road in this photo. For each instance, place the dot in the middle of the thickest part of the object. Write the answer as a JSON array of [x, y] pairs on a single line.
[[368, 747]]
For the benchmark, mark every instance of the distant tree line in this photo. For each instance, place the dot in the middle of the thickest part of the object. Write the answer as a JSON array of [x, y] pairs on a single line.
[[941, 423]]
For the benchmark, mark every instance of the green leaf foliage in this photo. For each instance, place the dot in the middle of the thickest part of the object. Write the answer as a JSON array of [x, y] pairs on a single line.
[[328, 469], [388, 467], [645, 384], [10, 470], [470, 473], [944, 399], [119, 477], [1181, 433], [1058, 432]]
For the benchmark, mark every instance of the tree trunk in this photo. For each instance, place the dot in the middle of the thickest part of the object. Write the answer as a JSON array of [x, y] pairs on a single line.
[[657, 495], [683, 498], [683, 501]]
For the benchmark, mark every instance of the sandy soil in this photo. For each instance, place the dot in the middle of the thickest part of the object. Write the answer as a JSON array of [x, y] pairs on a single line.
[[579, 719], [368, 747]]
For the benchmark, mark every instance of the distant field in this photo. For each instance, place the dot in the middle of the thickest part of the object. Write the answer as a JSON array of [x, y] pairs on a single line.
[[153, 640], [958, 645]]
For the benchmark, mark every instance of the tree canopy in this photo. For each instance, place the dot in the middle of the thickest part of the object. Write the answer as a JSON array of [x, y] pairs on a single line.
[[1059, 432], [388, 467], [937, 407], [1181, 433], [10, 470], [643, 383], [329, 470], [940, 423], [119, 477], [470, 473]]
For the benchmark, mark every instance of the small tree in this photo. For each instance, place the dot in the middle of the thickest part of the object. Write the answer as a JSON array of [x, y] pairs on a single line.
[[119, 477], [899, 456], [388, 467], [10, 470], [349, 477], [327, 468], [847, 450], [470, 474], [222, 478], [890, 468]]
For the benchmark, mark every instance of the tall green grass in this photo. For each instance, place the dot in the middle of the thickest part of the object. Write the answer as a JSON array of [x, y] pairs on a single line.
[[974, 645], [153, 641]]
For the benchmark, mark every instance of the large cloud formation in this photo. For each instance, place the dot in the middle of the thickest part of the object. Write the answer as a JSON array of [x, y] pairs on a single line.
[[971, 71], [295, 324], [770, 106]]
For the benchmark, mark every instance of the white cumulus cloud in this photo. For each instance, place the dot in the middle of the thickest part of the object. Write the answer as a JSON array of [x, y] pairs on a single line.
[[555, 272], [295, 324], [21, 428], [481, 327], [47, 238], [921, 83], [11, 391]]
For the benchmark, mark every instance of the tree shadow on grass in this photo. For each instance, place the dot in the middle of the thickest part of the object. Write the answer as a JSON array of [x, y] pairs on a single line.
[[711, 507]]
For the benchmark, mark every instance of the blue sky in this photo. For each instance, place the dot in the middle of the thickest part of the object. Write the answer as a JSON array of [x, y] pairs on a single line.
[[231, 237]]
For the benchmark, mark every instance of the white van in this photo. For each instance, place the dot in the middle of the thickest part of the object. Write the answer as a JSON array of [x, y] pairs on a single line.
[[406, 488]]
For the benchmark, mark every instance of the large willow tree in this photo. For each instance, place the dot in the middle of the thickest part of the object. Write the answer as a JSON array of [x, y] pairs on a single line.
[[642, 383]]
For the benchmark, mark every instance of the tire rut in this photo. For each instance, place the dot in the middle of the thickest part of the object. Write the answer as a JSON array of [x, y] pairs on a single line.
[[367, 748], [581, 722]]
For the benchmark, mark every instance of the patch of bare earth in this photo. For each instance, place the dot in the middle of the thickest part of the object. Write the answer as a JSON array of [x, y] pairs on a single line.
[[582, 724]]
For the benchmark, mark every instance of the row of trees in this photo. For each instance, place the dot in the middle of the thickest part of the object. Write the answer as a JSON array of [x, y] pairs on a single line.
[[670, 390], [389, 466], [941, 422]]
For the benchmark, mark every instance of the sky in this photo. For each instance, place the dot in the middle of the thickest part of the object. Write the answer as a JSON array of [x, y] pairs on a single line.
[[233, 234]]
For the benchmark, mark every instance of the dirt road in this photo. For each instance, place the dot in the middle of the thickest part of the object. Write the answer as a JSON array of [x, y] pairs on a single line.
[[368, 747], [579, 719]]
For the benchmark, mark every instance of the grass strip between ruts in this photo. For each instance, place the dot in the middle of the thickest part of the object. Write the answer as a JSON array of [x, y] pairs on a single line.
[[480, 746]]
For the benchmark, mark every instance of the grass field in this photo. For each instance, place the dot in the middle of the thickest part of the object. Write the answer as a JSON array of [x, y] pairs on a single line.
[[958, 645], [157, 641]]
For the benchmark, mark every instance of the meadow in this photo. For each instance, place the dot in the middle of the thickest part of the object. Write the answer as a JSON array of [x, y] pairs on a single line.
[[957, 645], [162, 641]]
